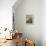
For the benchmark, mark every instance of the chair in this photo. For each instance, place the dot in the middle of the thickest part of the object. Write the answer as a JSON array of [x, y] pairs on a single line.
[[29, 43], [18, 39]]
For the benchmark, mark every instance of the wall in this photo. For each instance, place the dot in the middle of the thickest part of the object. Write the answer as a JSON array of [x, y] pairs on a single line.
[[6, 13], [31, 31], [43, 22]]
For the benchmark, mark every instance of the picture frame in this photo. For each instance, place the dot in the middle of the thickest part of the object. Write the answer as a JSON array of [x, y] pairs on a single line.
[[29, 19]]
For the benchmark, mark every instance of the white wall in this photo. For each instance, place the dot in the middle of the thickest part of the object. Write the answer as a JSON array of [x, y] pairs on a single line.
[[43, 22], [6, 13], [23, 27], [31, 7]]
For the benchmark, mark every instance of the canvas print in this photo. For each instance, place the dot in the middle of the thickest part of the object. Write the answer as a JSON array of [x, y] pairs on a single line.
[[29, 19]]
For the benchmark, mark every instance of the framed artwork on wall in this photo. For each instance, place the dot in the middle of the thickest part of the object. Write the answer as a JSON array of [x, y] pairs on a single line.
[[29, 19]]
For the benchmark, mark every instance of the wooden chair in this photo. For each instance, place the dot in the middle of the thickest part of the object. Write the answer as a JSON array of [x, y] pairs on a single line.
[[18, 39], [29, 43]]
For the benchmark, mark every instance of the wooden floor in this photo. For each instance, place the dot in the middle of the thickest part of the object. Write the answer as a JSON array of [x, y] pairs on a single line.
[[9, 43]]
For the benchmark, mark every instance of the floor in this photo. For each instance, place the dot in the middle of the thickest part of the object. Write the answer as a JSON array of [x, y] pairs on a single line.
[[9, 43]]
